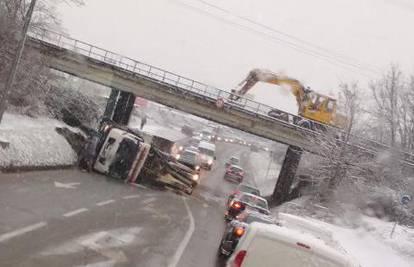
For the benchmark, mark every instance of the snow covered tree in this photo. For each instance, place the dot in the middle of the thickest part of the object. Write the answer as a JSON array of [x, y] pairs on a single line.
[[339, 162], [32, 78]]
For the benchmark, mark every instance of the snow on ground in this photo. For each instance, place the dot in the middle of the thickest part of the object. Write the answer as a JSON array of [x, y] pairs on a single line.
[[259, 164], [369, 243], [33, 143], [371, 249]]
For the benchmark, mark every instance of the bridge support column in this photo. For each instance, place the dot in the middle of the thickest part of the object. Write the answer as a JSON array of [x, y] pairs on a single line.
[[119, 106], [286, 175], [110, 104]]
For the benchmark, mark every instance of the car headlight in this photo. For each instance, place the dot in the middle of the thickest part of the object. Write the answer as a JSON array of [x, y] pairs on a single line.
[[195, 177], [210, 161], [178, 156], [106, 128], [197, 168]]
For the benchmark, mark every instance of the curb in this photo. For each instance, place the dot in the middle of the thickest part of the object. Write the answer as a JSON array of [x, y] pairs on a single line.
[[14, 169]]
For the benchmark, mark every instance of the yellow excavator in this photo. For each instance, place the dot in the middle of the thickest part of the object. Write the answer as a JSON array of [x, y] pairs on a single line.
[[312, 105]]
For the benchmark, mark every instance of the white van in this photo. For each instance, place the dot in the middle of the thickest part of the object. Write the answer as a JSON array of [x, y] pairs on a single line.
[[271, 245], [207, 154]]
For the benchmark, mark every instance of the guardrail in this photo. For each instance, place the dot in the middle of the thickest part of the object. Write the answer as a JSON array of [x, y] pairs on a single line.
[[168, 78]]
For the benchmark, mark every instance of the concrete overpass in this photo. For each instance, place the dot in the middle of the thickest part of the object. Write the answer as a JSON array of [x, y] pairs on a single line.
[[113, 70]]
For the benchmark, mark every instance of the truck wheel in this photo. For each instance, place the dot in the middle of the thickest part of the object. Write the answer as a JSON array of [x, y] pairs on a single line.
[[189, 191]]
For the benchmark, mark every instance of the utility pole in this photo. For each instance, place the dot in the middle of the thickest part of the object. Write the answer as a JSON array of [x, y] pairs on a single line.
[[10, 79]]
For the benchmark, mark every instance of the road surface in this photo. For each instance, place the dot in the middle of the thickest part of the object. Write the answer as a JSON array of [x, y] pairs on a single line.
[[73, 218]]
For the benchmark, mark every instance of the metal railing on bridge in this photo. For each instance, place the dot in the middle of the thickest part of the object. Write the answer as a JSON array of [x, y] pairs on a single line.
[[191, 86]]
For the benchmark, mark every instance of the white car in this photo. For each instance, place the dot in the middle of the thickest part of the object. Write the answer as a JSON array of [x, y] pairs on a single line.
[[207, 154], [271, 245]]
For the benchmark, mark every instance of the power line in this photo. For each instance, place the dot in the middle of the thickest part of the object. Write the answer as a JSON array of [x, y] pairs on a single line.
[[315, 46], [332, 60]]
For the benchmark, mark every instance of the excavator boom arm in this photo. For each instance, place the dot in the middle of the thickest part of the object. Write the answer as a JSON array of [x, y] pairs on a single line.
[[261, 75]]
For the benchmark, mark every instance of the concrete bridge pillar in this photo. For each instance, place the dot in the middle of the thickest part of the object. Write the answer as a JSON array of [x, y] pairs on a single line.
[[286, 176], [119, 106], [110, 104]]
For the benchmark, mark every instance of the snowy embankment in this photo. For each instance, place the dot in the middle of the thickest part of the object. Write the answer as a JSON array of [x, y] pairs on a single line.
[[264, 175], [366, 239], [33, 143], [373, 247], [370, 247]]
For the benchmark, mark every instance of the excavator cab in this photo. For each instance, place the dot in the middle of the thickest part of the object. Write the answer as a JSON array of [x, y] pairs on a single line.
[[322, 109], [319, 108]]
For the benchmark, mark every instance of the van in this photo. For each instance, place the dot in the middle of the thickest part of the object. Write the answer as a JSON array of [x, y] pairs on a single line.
[[272, 245], [207, 154]]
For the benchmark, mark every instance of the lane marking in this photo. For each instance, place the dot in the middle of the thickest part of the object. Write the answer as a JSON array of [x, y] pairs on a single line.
[[147, 201], [177, 256], [74, 212], [131, 196], [103, 203], [21, 231], [139, 185]]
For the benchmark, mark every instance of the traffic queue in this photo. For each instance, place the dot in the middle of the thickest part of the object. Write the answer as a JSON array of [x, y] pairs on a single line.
[[252, 237]]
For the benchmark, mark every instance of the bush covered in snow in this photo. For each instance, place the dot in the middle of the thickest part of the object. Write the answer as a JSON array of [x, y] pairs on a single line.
[[74, 107]]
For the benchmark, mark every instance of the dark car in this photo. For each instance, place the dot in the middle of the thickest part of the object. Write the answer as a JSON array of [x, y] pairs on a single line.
[[278, 114], [232, 161], [243, 188], [236, 228], [234, 173], [187, 130], [246, 201]]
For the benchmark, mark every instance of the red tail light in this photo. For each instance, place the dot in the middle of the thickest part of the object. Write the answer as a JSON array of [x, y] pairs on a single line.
[[236, 205], [239, 258]]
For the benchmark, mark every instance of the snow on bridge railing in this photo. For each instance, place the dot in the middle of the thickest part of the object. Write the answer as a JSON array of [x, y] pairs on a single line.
[[165, 77]]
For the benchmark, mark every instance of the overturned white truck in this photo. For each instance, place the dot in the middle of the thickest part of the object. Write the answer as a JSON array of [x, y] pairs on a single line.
[[136, 157]]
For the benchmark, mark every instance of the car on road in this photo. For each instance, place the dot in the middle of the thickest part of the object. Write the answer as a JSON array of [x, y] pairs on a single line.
[[206, 135], [234, 173], [190, 158], [271, 245], [187, 130], [194, 141], [207, 154], [232, 161], [237, 227], [243, 188], [246, 201]]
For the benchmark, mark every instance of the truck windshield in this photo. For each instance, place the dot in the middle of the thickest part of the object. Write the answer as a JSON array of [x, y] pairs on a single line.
[[189, 156], [206, 151]]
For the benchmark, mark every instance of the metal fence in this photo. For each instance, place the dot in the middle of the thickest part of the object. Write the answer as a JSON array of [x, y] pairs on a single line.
[[192, 86]]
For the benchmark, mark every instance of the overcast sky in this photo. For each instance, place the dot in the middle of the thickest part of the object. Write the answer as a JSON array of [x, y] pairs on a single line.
[[219, 48]]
